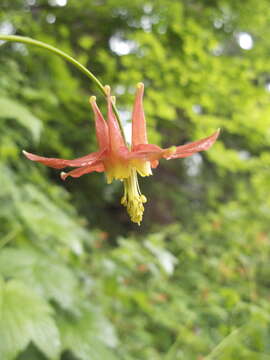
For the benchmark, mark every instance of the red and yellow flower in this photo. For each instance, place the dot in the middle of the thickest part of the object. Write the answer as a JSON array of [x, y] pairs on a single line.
[[118, 160]]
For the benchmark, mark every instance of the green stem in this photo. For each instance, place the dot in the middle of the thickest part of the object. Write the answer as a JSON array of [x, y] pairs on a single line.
[[79, 66]]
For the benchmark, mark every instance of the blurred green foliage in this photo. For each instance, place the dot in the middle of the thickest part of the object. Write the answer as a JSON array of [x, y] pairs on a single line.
[[77, 279]]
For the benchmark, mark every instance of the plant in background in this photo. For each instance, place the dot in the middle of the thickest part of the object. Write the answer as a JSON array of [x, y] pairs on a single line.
[[197, 271]]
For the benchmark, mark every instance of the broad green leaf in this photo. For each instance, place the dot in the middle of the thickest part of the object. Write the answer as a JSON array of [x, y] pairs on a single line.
[[244, 342], [14, 110], [25, 317], [88, 335], [44, 273], [40, 212]]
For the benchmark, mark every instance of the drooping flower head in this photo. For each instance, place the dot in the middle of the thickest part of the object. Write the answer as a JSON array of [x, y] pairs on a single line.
[[120, 161]]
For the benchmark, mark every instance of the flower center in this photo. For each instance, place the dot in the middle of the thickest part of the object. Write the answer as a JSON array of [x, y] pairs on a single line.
[[133, 199]]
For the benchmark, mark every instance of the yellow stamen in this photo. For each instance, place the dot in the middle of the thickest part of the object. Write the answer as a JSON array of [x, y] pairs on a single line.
[[132, 199], [143, 167]]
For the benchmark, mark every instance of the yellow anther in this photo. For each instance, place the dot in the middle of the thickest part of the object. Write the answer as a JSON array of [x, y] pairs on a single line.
[[143, 198]]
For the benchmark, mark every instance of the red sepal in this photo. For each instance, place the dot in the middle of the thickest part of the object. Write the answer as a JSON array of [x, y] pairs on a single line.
[[82, 171], [139, 133], [62, 163], [194, 147]]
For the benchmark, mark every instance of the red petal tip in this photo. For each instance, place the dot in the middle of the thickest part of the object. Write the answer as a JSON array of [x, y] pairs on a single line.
[[216, 134], [63, 175], [107, 89], [92, 100], [28, 155], [140, 85]]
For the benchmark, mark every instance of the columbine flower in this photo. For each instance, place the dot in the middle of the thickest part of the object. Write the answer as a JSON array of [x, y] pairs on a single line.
[[118, 160]]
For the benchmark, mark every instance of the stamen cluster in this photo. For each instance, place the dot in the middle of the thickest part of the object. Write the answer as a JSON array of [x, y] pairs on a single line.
[[133, 199]]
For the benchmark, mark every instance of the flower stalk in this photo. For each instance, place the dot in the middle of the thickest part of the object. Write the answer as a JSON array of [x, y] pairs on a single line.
[[77, 64]]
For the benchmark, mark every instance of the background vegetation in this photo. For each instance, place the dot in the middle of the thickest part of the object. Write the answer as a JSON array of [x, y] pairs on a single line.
[[77, 279]]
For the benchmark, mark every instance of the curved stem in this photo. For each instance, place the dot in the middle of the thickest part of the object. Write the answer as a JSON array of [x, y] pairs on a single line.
[[79, 66]]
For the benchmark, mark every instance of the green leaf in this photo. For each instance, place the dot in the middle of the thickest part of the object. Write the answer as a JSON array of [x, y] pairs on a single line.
[[43, 273], [13, 110], [42, 213], [88, 335], [244, 342], [25, 317]]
